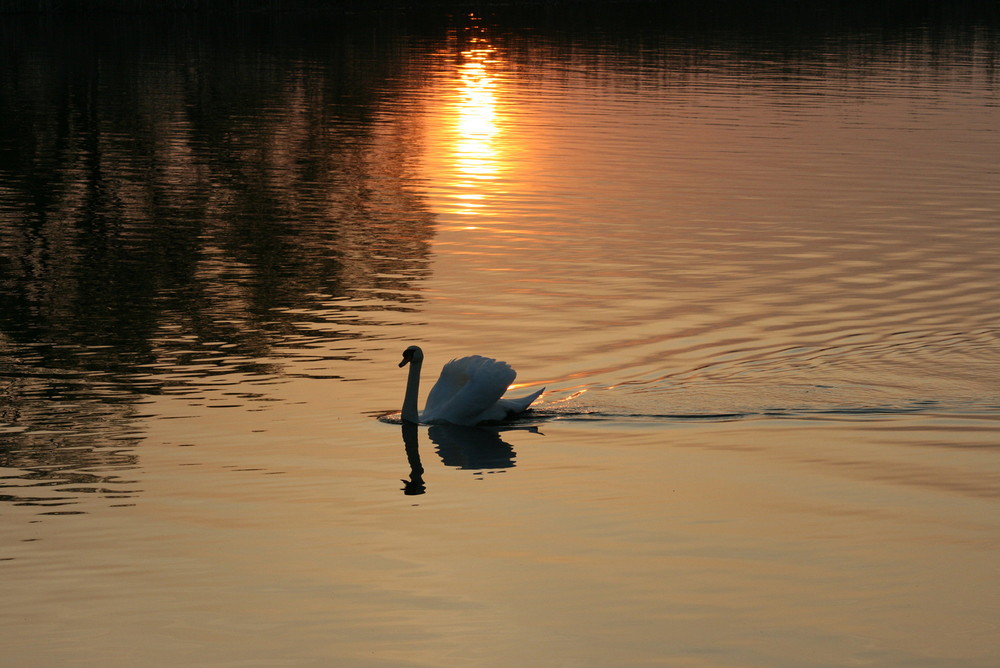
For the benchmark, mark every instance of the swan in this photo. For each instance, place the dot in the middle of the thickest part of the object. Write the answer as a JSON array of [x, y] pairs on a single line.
[[467, 392]]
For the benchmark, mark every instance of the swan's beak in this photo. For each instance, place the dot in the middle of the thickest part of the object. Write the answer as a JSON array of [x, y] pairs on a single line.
[[407, 357]]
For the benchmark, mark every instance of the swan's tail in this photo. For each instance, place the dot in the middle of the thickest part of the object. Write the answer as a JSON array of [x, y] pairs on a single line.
[[519, 405]]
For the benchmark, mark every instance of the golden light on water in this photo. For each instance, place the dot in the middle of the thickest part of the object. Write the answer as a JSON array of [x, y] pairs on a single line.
[[474, 126], [476, 122]]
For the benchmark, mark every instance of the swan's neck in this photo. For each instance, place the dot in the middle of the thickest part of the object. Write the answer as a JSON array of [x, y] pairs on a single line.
[[410, 413]]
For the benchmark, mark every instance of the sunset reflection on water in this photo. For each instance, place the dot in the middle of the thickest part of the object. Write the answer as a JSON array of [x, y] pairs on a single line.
[[473, 120]]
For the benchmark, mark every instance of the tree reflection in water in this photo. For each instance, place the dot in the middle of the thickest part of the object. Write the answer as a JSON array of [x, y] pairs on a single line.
[[183, 201]]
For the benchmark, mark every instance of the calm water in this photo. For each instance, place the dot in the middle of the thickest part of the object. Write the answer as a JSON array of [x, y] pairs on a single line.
[[756, 268]]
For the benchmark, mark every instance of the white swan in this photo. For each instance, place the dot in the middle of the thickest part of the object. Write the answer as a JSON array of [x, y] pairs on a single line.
[[467, 392]]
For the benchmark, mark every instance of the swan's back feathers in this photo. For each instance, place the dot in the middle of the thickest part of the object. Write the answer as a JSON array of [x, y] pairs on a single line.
[[468, 391]]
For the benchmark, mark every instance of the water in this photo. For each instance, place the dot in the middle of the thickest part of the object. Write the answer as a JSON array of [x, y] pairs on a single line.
[[755, 267]]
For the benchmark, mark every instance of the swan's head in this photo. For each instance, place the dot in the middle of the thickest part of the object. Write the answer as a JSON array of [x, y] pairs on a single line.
[[412, 354]]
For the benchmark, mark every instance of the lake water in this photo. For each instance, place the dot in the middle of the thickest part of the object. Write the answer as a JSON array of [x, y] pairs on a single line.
[[756, 266]]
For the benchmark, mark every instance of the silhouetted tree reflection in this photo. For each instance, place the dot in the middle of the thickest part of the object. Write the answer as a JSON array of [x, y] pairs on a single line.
[[209, 186], [185, 195]]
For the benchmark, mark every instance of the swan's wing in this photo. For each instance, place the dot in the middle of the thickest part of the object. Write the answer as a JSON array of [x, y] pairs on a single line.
[[466, 389], [454, 376]]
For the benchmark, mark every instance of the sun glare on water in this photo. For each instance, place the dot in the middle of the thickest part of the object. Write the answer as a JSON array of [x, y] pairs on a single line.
[[473, 126]]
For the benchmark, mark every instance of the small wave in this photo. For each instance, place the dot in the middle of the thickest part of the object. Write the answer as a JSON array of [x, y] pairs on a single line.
[[594, 413], [731, 404]]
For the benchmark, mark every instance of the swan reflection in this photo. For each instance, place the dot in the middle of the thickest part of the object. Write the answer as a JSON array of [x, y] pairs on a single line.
[[415, 485], [470, 448]]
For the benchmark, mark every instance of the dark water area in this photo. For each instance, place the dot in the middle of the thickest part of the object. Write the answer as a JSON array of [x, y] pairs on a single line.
[[144, 227], [750, 249]]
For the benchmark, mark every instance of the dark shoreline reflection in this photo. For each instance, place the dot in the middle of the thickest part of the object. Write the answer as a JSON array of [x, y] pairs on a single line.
[[183, 200], [477, 448], [168, 176]]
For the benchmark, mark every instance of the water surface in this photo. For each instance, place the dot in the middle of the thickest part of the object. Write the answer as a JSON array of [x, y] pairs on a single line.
[[755, 269]]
